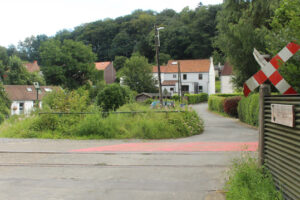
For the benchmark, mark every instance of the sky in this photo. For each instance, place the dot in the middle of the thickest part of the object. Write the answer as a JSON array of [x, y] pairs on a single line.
[[24, 18]]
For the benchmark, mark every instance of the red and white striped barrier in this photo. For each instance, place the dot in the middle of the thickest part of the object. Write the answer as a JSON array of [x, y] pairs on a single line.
[[269, 71]]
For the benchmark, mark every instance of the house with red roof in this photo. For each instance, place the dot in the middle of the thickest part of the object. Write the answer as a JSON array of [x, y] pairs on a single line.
[[109, 71], [32, 67], [23, 97], [226, 79], [197, 76]]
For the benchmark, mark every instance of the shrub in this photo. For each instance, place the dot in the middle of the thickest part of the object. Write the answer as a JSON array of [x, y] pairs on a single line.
[[113, 96], [176, 97], [248, 109], [215, 103], [196, 98], [248, 181], [230, 105]]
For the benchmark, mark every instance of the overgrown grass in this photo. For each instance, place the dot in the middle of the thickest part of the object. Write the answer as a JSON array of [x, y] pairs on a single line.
[[149, 125], [248, 181]]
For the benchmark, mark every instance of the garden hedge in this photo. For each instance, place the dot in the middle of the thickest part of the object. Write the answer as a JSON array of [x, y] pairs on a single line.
[[216, 103], [248, 109], [230, 105], [196, 98]]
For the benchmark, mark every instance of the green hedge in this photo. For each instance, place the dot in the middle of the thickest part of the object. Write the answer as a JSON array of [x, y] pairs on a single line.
[[216, 103], [248, 109], [196, 98]]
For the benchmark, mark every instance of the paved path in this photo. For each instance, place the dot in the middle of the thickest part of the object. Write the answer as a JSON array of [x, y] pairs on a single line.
[[123, 169]]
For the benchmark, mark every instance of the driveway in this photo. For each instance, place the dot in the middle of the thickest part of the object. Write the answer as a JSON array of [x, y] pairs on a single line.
[[186, 168]]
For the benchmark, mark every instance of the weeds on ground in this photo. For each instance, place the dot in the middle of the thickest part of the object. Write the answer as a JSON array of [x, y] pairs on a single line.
[[248, 181], [148, 125]]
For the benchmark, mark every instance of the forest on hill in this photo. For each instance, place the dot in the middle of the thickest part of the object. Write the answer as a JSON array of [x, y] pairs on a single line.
[[228, 32]]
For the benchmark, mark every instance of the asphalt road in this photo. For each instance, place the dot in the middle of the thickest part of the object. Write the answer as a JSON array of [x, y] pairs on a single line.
[[51, 169]]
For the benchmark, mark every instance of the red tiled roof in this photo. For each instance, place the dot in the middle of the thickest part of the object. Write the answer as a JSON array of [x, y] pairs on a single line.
[[102, 65], [21, 93], [32, 67], [227, 70], [169, 83], [186, 66]]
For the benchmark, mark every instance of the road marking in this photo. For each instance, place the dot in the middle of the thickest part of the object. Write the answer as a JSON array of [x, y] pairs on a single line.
[[174, 147]]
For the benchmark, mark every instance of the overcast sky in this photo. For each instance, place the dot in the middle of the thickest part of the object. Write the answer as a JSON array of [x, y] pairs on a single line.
[[22, 18]]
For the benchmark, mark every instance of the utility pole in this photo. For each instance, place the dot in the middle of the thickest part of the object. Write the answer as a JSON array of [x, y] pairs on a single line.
[[157, 44]]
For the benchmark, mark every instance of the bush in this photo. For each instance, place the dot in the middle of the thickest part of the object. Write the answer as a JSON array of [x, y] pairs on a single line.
[[230, 106], [248, 109], [113, 96], [216, 103], [196, 98], [248, 181]]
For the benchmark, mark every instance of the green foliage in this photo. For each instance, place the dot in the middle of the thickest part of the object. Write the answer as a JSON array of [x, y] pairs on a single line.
[[248, 109], [196, 98], [67, 101], [285, 28], [138, 74], [4, 104], [67, 63], [242, 26], [17, 73], [149, 125], [218, 86], [216, 103], [248, 181], [119, 62], [113, 96]]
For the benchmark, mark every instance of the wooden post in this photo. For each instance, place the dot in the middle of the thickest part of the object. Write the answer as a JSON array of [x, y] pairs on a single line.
[[264, 90]]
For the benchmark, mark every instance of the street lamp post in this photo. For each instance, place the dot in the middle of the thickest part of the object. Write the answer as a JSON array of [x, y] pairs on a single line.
[[157, 44]]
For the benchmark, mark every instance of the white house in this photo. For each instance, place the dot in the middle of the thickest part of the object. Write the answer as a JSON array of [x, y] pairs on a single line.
[[23, 97], [197, 76], [226, 79]]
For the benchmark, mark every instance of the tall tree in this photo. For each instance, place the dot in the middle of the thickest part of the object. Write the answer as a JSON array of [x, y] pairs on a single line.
[[67, 63], [137, 74], [286, 28], [242, 26]]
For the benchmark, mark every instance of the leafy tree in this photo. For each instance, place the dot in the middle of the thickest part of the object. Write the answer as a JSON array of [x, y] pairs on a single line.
[[138, 74], [17, 74], [164, 58], [119, 62], [286, 28], [242, 26], [67, 63], [29, 48], [113, 96]]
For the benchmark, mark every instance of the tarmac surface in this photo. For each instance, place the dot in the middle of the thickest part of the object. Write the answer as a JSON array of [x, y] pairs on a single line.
[[185, 168]]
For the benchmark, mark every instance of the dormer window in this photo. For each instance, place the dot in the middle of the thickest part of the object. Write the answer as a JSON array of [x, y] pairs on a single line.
[[29, 89], [48, 89], [174, 75]]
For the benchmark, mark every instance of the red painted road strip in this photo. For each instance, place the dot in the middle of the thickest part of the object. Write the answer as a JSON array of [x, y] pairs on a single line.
[[175, 147]]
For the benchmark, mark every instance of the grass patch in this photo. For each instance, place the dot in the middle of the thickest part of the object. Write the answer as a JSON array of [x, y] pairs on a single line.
[[149, 125], [218, 86], [248, 181]]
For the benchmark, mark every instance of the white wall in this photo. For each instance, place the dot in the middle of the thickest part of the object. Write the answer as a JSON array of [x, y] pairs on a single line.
[[212, 78], [191, 79], [226, 84], [28, 107]]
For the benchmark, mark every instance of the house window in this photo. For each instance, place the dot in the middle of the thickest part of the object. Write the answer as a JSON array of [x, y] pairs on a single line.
[[200, 88], [21, 108], [200, 77], [29, 89], [172, 89], [174, 76], [184, 76], [48, 89]]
